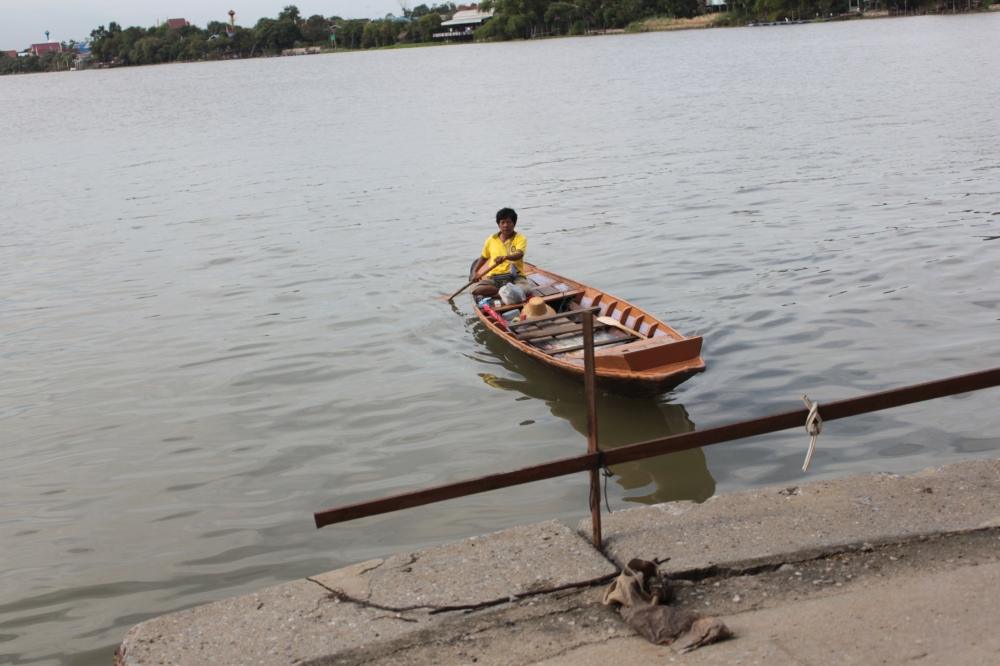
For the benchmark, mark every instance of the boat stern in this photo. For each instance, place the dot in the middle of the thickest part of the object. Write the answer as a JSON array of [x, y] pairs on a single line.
[[652, 359]]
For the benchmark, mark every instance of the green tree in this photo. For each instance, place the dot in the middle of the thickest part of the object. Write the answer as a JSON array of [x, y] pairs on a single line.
[[124, 41], [19, 65], [559, 16], [681, 8], [316, 29], [425, 27], [351, 34], [272, 36], [216, 28], [370, 36], [242, 42], [625, 12], [147, 51], [194, 47], [389, 31], [290, 13]]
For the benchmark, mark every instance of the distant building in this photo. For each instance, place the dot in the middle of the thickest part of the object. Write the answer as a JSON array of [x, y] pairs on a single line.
[[10, 54], [716, 5], [177, 24], [464, 23], [46, 47]]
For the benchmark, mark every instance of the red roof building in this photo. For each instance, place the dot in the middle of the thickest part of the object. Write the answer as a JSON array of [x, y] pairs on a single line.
[[46, 47], [10, 54], [175, 24]]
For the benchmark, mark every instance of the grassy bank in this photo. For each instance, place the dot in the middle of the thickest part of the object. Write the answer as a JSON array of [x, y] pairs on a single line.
[[659, 23], [730, 19]]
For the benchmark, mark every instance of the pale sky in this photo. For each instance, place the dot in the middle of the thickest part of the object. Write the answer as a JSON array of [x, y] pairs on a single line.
[[24, 22]]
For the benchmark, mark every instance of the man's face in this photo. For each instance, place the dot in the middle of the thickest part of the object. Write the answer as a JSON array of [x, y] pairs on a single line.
[[506, 226]]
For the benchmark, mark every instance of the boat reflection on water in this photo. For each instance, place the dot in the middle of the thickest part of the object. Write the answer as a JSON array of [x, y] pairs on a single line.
[[621, 421]]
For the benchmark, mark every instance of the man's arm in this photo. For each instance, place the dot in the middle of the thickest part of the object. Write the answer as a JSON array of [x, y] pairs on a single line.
[[482, 261], [519, 246]]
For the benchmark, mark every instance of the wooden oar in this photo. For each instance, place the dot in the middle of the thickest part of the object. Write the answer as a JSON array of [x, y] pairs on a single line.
[[479, 276], [611, 321]]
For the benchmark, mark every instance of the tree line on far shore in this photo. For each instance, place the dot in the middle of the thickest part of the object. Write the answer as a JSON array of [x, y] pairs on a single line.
[[513, 19], [525, 19]]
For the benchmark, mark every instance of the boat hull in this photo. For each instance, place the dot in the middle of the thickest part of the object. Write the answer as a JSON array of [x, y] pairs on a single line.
[[652, 358]]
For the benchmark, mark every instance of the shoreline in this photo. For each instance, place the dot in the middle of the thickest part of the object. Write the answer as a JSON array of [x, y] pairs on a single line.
[[652, 24], [826, 566]]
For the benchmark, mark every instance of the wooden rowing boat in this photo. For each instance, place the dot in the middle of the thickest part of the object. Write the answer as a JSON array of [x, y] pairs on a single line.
[[634, 352]]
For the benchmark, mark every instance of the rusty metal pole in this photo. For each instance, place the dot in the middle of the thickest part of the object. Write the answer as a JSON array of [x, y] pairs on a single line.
[[590, 391], [831, 411]]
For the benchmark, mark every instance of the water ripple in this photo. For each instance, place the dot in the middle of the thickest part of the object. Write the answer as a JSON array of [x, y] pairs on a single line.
[[246, 327]]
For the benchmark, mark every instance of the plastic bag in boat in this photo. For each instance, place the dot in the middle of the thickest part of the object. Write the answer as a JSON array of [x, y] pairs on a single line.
[[511, 293]]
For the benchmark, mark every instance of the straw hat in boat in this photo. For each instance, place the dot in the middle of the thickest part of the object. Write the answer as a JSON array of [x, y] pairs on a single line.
[[536, 307]]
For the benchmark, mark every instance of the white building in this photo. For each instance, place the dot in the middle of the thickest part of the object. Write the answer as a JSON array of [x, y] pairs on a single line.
[[463, 24]]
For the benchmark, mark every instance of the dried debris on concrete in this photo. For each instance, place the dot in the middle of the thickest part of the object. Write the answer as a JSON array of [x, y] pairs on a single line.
[[641, 594]]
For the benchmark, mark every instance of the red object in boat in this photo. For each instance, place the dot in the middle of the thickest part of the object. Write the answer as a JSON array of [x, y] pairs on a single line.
[[496, 317]]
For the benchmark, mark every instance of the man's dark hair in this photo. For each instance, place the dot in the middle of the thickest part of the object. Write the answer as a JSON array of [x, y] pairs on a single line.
[[507, 214]]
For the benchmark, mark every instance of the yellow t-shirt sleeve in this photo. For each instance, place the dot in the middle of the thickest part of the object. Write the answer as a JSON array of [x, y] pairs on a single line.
[[493, 248]]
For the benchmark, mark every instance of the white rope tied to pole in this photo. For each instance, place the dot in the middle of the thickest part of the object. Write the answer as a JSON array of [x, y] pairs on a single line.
[[814, 426]]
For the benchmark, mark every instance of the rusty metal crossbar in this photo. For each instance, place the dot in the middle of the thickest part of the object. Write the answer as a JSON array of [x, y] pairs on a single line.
[[595, 460]]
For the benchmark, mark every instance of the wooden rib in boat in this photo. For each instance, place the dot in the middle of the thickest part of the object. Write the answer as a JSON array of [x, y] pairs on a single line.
[[634, 352]]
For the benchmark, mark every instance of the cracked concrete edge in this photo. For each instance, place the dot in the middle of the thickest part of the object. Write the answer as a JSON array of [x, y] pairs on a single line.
[[324, 614], [329, 581], [349, 581], [506, 564], [514, 633], [580, 585], [750, 529], [758, 565]]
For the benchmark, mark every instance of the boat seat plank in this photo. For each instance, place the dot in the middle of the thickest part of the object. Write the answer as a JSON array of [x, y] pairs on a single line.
[[556, 329], [597, 343]]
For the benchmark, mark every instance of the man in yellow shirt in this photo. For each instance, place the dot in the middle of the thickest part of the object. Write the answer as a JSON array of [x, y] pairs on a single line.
[[504, 250]]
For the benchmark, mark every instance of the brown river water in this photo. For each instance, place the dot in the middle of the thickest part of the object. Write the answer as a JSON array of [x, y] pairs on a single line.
[[218, 299]]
